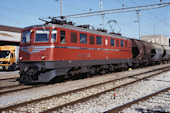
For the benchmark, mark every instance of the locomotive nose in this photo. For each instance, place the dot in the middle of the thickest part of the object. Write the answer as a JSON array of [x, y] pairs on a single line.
[[28, 73]]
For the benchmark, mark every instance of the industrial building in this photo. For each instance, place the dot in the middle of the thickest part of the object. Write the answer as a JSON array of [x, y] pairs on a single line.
[[158, 39], [9, 35]]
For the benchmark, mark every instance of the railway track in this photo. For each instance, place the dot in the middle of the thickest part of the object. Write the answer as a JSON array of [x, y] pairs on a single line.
[[8, 84], [13, 78], [15, 88], [120, 108], [63, 99]]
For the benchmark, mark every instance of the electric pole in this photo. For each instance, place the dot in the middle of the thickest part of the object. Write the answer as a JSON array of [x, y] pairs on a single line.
[[101, 9], [154, 29], [61, 8], [138, 20]]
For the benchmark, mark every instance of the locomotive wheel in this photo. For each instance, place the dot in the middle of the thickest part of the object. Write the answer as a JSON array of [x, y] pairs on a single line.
[[145, 64], [108, 71], [126, 67], [89, 75], [82, 76], [135, 66]]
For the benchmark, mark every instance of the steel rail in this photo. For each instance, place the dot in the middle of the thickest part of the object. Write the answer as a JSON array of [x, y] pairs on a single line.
[[120, 108], [8, 78], [21, 89], [9, 86]]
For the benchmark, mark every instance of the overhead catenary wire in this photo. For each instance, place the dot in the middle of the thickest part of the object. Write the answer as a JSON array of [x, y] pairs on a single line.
[[123, 5], [107, 18], [152, 15], [128, 9]]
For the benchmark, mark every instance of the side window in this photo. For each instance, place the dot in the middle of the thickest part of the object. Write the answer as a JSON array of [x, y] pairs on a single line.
[[122, 43], [26, 36], [83, 38], [126, 44], [53, 35], [99, 40], [112, 42], [117, 43], [106, 42], [73, 37], [91, 39], [62, 37], [42, 35]]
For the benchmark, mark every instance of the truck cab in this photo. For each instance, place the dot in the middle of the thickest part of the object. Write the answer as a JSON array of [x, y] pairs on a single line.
[[8, 57]]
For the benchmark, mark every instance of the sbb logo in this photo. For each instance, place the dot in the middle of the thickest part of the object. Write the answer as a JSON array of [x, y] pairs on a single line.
[[31, 49]]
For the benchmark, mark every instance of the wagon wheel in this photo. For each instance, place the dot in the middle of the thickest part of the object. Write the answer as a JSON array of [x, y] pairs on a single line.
[[3, 68], [12, 67]]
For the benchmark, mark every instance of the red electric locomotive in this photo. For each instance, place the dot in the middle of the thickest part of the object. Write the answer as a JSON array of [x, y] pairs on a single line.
[[60, 49]]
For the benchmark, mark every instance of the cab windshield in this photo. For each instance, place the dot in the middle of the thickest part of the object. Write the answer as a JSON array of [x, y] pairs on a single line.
[[4, 54], [42, 35]]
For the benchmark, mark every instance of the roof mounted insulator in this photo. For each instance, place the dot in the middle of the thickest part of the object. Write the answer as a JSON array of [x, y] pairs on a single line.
[[102, 30], [70, 23], [84, 26], [55, 21], [115, 33]]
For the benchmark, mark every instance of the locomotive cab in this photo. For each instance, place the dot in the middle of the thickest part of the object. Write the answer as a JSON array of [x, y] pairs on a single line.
[[36, 52], [36, 42]]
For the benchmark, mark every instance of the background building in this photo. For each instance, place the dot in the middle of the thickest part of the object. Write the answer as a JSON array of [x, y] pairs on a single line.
[[9, 35], [158, 39]]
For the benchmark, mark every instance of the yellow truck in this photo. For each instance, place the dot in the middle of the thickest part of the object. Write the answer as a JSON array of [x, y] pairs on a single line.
[[9, 57]]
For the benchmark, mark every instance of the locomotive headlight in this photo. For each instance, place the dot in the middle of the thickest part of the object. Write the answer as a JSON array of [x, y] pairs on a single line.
[[20, 58], [43, 57]]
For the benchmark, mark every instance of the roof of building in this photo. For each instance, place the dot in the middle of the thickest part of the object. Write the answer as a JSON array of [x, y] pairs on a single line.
[[10, 29], [9, 34], [154, 36]]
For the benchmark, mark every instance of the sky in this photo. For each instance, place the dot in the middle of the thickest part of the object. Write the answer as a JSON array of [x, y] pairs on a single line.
[[23, 13]]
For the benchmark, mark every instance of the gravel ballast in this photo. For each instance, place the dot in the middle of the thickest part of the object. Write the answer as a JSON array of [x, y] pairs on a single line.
[[60, 100], [123, 95], [159, 103]]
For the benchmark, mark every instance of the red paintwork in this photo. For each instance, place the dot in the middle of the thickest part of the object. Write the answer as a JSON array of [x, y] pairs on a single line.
[[57, 54]]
